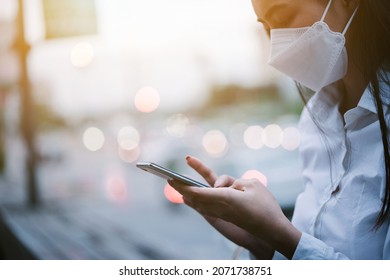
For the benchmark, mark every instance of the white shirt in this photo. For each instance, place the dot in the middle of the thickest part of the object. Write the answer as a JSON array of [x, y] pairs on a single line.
[[344, 176]]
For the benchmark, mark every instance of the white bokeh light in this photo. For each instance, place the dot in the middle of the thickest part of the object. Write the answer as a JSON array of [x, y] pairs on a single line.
[[177, 125], [128, 138], [272, 136], [82, 55], [93, 139], [253, 137], [215, 143], [147, 99], [291, 138], [129, 156]]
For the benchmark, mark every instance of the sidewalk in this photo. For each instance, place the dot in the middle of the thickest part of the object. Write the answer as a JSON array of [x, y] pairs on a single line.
[[95, 206], [84, 228], [72, 230]]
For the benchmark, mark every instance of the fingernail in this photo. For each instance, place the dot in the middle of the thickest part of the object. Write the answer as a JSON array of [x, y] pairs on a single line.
[[188, 157]]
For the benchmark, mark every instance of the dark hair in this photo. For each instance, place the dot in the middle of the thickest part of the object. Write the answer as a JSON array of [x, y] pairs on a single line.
[[370, 38], [370, 35]]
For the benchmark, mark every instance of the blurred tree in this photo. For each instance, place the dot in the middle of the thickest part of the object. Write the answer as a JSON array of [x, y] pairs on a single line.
[[46, 119], [235, 101], [235, 94], [27, 113], [262, 101]]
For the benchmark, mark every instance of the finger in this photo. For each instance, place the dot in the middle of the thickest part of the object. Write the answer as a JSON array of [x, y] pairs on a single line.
[[178, 186], [224, 181], [246, 184], [188, 202], [183, 189], [208, 174], [209, 197]]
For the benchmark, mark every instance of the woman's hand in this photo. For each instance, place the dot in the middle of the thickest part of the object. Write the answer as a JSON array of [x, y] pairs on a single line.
[[246, 204], [234, 233], [243, 238]]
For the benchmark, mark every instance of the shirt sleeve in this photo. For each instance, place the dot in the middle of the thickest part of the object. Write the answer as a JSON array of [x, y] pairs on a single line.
[[311, 248]]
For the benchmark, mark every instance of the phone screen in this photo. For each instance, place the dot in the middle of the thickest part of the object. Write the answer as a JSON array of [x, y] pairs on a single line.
[[168, 174]]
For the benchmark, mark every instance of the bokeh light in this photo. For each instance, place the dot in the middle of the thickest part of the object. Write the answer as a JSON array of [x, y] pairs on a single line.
[[173, 195], [291, 138], [255, 174], [272, 136], [177, 125], [82, 55], [129, 156], [215, 143], [128, 138], [116, 188], [93, 139], [147, 100], [253, 137]]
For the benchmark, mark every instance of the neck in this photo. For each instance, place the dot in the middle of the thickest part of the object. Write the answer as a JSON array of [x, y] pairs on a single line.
[[354, 86]]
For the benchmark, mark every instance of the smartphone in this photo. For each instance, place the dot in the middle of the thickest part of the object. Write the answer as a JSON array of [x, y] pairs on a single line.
[[168, 174]]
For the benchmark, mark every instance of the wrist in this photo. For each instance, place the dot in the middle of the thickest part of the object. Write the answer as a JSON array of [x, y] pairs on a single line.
[[259, 249], [287, 239]]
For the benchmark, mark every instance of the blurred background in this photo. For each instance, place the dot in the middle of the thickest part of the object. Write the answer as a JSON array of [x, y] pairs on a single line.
[[90, 87]]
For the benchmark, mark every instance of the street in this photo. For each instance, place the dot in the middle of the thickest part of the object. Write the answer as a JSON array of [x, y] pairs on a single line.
[[96, 206]]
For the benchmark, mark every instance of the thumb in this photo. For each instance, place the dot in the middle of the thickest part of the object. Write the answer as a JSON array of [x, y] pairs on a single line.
[[240, 185], [245, 184]]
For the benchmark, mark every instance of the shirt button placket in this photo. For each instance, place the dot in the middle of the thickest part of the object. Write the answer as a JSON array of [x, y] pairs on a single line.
[[334, 186]]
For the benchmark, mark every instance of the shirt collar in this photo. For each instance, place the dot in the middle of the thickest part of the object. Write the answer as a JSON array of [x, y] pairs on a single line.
[[367, 100], [329, 97]]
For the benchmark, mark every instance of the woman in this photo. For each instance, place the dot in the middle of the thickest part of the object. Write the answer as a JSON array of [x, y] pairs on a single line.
[[340, 50]]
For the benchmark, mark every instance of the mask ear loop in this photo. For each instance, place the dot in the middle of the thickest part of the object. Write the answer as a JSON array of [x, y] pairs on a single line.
[[350, 21], [326, 10]]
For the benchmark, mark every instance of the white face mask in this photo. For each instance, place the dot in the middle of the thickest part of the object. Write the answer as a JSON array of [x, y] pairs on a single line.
[[313, 56]]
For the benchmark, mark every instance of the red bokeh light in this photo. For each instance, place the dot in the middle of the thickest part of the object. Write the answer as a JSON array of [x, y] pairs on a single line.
[[172, 195]]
